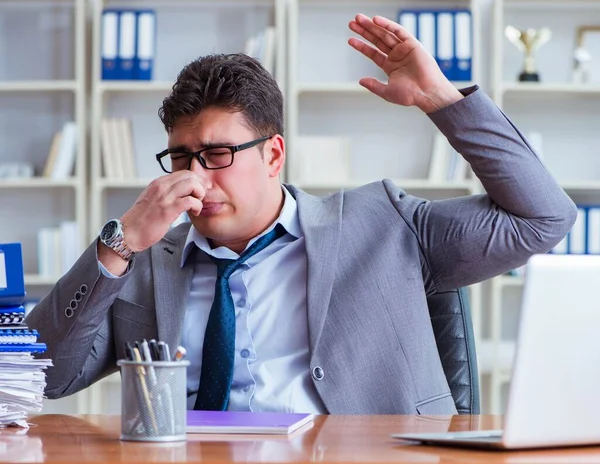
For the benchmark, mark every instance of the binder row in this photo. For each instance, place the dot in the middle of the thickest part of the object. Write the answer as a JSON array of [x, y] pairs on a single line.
[[447, 35], [584, 236], [128, 44]]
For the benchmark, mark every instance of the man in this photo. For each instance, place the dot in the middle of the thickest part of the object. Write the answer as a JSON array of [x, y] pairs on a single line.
[[330, 293]]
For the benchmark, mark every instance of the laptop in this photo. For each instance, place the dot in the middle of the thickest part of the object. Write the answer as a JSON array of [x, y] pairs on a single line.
[[554, 394]]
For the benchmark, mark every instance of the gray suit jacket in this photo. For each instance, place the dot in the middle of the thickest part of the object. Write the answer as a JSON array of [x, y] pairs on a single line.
[[374, 254]]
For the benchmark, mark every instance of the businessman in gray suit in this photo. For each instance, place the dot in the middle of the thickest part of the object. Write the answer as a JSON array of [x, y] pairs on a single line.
[[287, 301]]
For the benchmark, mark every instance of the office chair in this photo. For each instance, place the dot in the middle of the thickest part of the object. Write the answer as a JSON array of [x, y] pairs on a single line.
[[450, 314]]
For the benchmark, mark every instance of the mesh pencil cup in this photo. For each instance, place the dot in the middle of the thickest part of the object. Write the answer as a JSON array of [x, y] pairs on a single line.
[[153, 400]]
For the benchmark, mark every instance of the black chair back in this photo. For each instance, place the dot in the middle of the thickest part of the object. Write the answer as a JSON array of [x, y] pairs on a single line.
[[450, 314]]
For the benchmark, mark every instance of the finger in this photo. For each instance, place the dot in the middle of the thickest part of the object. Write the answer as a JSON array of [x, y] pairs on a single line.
[[396, 29], [190, 204], [188, 185], [380, 33], [369, 51], [355, 27], [373, 85]]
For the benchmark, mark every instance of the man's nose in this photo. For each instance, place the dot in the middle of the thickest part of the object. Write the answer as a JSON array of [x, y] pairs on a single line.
[[204, 174]]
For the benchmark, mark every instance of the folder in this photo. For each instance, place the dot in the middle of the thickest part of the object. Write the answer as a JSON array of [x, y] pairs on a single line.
[[426, 31], [145, 44], [445, 33], [463, 45], [593, 230], [12, 315], [18, 336], [109, 44], [12, 282], [577, 239], [408, 20], [127, 37], [23, 348]]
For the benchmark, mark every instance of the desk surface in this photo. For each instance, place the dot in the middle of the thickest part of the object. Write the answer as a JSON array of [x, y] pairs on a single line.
[[62, 438]]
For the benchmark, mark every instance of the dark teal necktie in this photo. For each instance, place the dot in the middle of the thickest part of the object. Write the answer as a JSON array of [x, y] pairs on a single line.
[[219, 340]]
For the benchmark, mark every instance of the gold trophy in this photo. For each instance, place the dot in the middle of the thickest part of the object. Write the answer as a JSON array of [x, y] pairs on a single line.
[[528, 41]]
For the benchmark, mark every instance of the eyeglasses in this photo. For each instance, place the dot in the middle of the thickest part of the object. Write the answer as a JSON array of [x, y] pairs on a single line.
[[213, 157]]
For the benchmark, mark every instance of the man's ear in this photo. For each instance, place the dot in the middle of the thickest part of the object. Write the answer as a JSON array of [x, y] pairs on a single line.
[[275, 154]]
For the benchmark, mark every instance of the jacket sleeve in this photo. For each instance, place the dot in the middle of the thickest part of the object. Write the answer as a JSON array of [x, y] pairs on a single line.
[[523, 212], [74, 320]]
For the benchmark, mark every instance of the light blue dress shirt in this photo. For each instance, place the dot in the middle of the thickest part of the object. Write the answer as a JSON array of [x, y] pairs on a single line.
[[271, 367]]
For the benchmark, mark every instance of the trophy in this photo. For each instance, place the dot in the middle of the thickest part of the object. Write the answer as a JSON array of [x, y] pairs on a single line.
[[528, 41], [582, 56]]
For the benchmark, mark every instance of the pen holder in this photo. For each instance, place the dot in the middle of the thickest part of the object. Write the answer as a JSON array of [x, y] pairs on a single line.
[[153, 400]]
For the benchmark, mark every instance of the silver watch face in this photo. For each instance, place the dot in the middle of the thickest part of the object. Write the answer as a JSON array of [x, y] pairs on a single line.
[[109, 231]]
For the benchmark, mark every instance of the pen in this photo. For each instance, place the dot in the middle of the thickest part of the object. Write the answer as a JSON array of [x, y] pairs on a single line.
[[154, 350], [129, 351], [148, 357], [180, 353], [141, 376], [163, 350]]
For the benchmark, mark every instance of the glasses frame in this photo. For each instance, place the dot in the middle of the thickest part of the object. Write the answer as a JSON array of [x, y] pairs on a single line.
[[197, 154]]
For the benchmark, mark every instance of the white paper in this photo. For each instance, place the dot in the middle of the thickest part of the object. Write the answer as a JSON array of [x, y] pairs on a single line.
[[3, 282]]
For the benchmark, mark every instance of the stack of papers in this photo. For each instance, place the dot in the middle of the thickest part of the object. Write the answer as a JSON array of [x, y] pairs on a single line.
[[22, 377]]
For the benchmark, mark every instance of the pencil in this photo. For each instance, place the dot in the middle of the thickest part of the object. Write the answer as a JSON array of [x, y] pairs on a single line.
[[142, 376]]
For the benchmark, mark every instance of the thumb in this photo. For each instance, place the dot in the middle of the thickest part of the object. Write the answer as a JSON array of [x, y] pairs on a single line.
[[373, 85]]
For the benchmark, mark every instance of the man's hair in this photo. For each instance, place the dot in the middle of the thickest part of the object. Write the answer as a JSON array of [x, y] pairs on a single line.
[[234, 82]]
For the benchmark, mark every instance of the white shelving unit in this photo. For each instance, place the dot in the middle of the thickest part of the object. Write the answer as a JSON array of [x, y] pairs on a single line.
[[325, 99], [564, 113], [42, 86]]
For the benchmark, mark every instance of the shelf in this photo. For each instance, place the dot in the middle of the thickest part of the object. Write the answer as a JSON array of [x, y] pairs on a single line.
[[500, 358], [535, 87], [347, 87], [552, 4], [407, 184], [123, 183], [38, 86], [592, 186], [510, 281], [134, 86], [39, 182], [36, 279]]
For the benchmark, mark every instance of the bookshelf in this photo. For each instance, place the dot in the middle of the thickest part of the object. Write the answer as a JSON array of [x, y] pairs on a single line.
[[42, 86], [325, 99], [563, 115]]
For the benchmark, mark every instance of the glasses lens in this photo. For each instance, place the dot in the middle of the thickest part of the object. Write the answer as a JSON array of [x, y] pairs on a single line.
[[175, 162], [216, 158]]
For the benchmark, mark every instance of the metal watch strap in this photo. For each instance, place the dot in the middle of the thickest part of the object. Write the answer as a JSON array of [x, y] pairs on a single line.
[[122, 249]]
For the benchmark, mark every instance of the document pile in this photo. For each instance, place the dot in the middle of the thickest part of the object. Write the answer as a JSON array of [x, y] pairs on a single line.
[[22, 377]]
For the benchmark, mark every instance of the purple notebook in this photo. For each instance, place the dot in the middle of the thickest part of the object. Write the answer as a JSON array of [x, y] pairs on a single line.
[[245, 422]]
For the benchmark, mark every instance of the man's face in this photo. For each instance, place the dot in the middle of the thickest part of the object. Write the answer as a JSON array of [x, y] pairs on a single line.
[[242, 199]]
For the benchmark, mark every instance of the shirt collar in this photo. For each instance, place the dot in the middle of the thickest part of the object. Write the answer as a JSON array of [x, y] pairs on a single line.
[[288, 218]]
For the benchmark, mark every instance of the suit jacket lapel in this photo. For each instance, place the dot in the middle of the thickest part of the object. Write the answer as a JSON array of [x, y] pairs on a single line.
[[171, 285], [321, 222]]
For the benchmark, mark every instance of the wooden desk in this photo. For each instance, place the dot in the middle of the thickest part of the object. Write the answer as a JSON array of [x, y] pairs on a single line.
[[62, 438]]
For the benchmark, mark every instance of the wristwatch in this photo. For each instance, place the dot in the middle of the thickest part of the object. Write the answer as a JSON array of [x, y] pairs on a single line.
[[112, 236]]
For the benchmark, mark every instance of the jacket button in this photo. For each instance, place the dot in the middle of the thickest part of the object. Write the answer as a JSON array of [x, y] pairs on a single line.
[[83, 289], [317, 373], [69, 312]]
